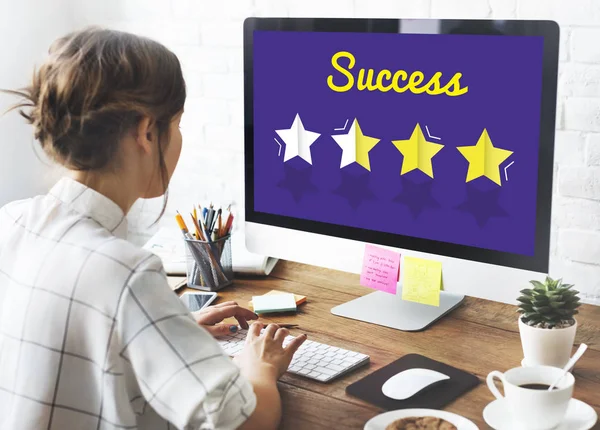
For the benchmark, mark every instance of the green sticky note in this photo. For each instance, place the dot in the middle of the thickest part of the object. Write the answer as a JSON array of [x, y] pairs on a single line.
[[422, 281], [274, 303]]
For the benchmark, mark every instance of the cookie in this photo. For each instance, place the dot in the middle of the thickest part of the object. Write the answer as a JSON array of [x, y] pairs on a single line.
[[420, 423]]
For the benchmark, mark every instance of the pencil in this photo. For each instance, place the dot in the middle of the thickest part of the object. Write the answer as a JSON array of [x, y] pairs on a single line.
[[182, 225], [229, 224], [219, 224], [193, 214], [198, 231], [226, 223], [186, 235]]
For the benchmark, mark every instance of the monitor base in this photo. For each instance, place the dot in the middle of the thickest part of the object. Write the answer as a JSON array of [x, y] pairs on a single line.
[[391, 311]]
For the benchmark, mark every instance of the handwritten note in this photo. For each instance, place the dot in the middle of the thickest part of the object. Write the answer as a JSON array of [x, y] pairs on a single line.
[[380, 269], [422, 281]]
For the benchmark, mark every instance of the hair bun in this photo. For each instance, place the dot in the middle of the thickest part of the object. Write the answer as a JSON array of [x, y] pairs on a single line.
[[95, 85]]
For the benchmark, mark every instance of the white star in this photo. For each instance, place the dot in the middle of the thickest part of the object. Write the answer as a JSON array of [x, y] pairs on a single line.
[[297, 141], [348, 144]]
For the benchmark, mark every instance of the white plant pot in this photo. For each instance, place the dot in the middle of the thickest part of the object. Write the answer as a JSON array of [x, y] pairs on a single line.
[[546, 347]]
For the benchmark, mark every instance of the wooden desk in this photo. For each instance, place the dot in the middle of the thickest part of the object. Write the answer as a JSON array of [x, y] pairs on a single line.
[[479, 337]]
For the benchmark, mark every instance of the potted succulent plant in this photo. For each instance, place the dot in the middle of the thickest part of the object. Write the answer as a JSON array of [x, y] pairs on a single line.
[[547, 323]]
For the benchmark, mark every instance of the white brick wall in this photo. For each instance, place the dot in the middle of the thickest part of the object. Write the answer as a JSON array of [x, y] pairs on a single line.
[[584, 45], [207, 36], [582, 113]]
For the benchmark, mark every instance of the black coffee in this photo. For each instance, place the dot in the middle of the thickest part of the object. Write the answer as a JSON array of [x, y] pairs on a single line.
[[536, 386]]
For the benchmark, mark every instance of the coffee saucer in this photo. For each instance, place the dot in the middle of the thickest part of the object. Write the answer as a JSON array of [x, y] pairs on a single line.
[[579, 416]]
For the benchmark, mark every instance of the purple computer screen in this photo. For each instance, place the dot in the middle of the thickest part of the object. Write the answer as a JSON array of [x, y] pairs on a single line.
[[430, 136]]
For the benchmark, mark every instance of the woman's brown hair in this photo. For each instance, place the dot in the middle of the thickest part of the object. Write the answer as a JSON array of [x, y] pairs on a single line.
[[95, 86]]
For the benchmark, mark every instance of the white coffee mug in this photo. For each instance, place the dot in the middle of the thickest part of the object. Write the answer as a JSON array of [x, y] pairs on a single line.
[[529, 408]]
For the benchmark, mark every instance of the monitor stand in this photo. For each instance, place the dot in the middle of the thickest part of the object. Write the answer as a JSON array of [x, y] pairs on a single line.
[[391, 311]]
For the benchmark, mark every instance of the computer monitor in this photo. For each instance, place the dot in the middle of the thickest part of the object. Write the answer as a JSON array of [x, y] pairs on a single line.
[[434, 138]]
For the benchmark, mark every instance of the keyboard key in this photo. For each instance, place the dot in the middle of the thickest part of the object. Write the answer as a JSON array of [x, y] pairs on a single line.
[[314, 374], [337, 361], [323, 378], [348, 363], [325, 371], [335, 367]]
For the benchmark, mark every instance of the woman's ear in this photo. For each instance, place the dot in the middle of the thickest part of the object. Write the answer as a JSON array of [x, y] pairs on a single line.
[[145, 134]]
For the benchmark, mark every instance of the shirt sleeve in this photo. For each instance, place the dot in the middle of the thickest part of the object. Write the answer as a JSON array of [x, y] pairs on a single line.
[[181, 370]]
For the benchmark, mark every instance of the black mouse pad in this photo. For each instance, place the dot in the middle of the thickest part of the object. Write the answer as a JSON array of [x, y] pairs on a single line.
[[435, 396]]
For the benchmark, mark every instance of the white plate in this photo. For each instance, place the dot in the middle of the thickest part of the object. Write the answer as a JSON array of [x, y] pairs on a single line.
[[381, 421], [579, 416]]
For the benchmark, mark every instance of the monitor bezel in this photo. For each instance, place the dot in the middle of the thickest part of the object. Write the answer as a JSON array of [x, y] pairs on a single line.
[[549, 30]]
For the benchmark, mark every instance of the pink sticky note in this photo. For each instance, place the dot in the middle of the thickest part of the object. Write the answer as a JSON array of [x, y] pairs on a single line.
[[381, 269]]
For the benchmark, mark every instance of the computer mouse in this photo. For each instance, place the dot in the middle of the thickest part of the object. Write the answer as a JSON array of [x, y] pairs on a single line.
[[409, 382]]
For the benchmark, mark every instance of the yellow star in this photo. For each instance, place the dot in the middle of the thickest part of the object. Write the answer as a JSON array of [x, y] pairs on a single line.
[[484, 159], [363, 145], [417, 152]]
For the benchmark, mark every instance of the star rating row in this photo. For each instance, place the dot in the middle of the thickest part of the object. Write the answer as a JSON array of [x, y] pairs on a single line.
[[484, 158]]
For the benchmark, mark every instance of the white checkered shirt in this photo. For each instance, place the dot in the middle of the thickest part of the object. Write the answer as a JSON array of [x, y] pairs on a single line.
[[91, 336]]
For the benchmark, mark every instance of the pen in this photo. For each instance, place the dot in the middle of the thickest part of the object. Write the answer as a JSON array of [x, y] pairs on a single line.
[[207, 233], [209, 217], [283, 325], [202, 222]]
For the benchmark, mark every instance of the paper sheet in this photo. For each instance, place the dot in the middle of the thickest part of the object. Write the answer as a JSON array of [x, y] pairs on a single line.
[[380, 269], [422, 281]]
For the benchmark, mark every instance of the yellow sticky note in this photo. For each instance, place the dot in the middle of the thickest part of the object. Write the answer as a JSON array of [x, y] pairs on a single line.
[[422, 281]]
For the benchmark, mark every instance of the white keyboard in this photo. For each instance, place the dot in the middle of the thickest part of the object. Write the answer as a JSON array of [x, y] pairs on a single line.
[[313, 360]]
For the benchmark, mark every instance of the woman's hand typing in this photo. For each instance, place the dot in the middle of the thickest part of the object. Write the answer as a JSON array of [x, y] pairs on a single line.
[[211, 318], [264, 354]]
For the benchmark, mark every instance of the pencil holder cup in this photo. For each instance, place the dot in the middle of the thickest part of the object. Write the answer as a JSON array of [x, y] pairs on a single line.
[[209, 266]]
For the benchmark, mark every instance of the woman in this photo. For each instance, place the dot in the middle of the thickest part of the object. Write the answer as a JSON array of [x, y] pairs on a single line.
[[91, 336]]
